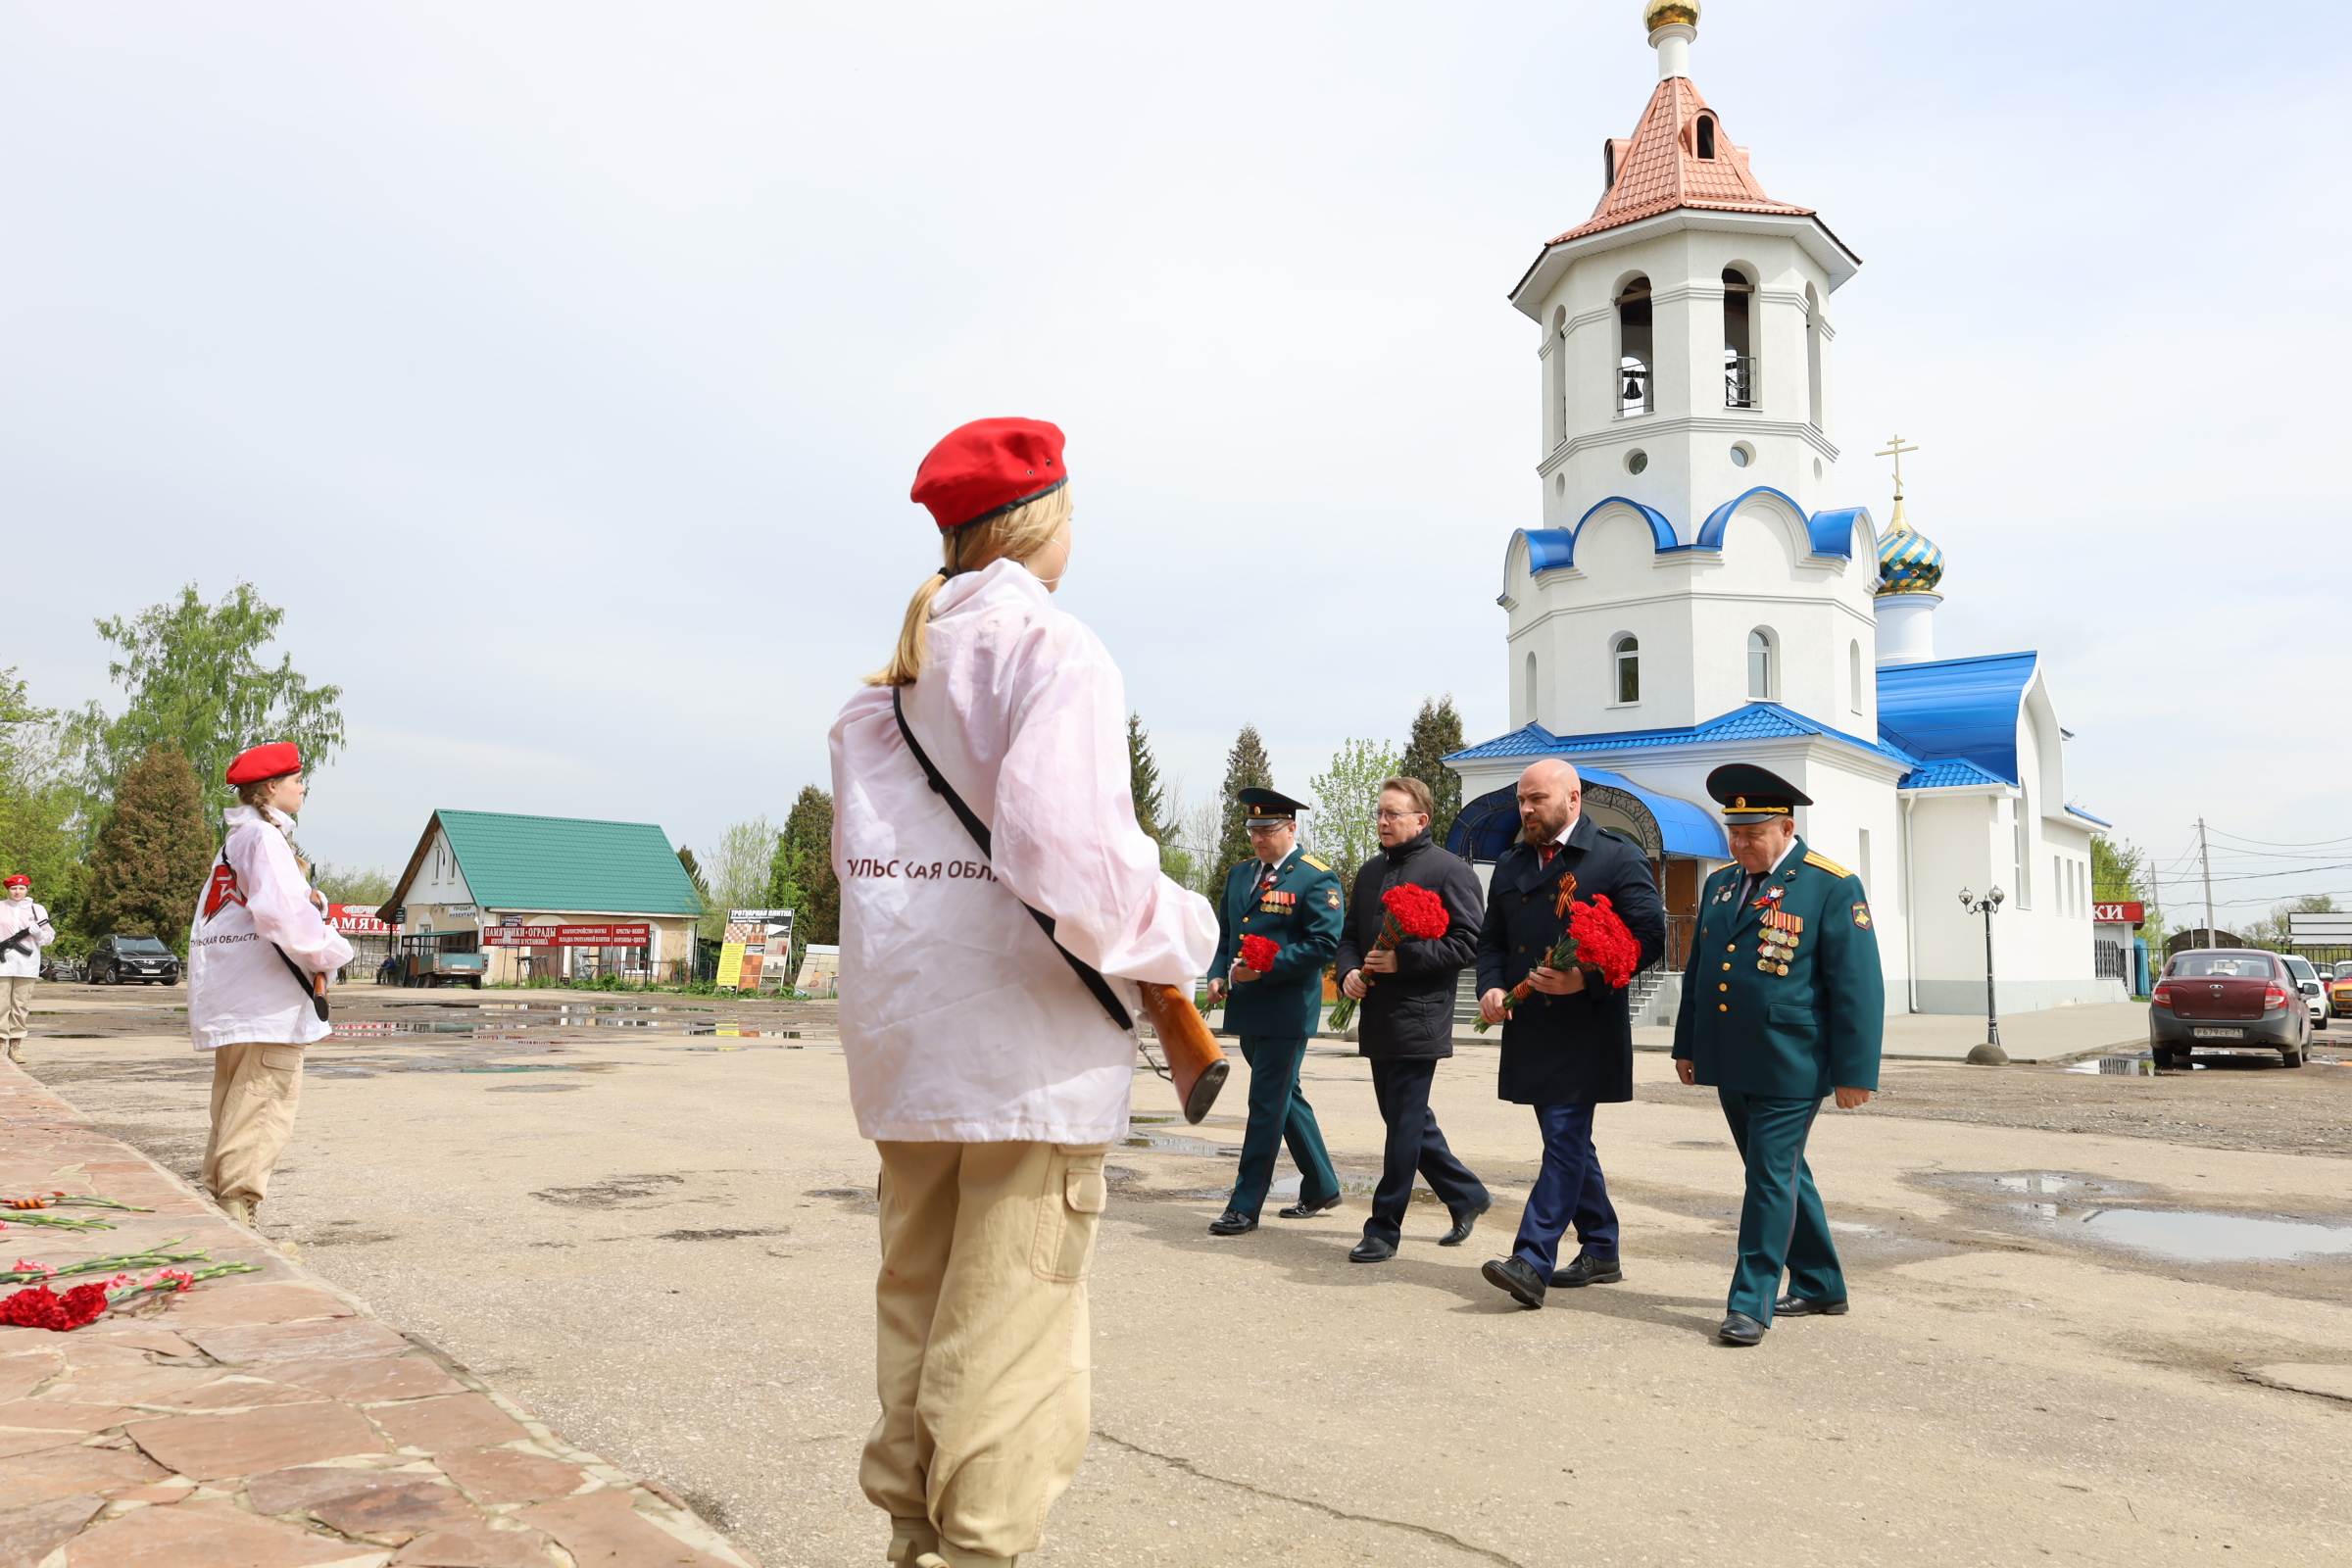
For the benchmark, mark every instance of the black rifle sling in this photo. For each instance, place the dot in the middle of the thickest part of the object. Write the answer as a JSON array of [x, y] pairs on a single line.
[[978, 829]]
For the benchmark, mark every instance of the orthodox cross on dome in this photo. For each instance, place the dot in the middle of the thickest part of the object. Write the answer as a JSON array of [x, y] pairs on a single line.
[[1896, 449]]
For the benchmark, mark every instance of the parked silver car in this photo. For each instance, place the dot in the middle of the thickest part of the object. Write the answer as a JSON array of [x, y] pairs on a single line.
[[2227, 997], [2314, 989]]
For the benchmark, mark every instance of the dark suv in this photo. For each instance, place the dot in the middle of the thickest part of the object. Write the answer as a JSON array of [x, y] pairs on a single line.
[[2227, 997], [118, 959]]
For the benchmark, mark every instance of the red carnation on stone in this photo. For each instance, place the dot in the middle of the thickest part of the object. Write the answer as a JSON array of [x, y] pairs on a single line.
[[1259, 953], [40, 1307], [1412, 912]]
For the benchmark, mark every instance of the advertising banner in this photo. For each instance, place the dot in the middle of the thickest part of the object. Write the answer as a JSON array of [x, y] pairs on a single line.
[[638, 935], [756, 951], [357, 920]]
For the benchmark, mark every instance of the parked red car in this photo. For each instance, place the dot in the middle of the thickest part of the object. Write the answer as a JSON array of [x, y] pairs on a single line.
[[2227, 997]]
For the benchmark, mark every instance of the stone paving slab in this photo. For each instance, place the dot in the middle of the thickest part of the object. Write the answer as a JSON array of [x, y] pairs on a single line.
[[268, 1420]]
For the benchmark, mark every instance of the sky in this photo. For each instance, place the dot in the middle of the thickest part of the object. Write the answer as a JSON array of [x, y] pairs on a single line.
[[561, 368]]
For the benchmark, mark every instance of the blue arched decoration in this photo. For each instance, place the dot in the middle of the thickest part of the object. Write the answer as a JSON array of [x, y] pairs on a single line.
[[1832, 533], [1552, 549], [1487, 825]]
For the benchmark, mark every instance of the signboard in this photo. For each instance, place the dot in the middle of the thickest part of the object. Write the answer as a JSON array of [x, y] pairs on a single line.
[[356, 920], [2118, 914], [639, 935], [820, 966], [2320, 930], [756, 954]]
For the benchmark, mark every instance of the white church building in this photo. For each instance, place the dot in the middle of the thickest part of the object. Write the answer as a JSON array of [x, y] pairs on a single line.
[[1695, 595]]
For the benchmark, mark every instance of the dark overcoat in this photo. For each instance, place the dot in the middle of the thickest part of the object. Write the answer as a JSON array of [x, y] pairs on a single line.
[[1410, 1013], [1574, 1049], [1300, 913], [1792, 1003]]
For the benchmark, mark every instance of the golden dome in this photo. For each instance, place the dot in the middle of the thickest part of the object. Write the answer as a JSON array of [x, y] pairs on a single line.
[[1665, 13]]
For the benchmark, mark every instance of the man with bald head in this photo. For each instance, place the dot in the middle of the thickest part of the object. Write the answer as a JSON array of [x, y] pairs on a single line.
[[1569, 1046]]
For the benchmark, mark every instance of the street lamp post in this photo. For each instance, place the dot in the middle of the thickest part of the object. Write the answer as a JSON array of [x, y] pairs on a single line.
[[1990, 1053]]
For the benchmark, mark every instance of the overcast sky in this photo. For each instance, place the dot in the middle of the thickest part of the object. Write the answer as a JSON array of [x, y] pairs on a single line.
[[561, 368]]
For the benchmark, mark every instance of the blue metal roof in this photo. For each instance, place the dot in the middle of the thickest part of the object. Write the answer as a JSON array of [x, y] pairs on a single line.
[[1957, 708], [1952, 772], [2077, 810], [1755, 722], [1487, 825], [1550, 549]]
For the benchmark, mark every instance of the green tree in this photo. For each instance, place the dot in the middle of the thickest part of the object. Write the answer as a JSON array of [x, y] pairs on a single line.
[[1246, 768], [738, 872], [1437, 734], [152, 856], [1345, 834], [800, 876], [197, 685], [2120, 873], [1143, 780], [40, 821], [370, 885]]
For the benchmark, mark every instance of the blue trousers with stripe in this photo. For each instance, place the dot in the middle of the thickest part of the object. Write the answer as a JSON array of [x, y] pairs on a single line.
[[1782, 1226]]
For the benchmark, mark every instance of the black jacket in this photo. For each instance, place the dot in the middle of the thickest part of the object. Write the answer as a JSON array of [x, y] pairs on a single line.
[[1578, 1049], [1410, 1013]]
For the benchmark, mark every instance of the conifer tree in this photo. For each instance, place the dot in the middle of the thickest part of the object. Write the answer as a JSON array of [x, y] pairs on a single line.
[[1143, 780], [1246, 768], [1436, 733], [154, 852], [800, 878]]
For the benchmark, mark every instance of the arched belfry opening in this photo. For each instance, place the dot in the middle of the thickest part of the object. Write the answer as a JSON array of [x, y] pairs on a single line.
[[1706, 136], [1738, 340], [1634, 350]]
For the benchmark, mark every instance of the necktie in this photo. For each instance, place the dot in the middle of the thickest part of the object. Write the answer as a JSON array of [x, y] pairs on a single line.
[[1544, 853]]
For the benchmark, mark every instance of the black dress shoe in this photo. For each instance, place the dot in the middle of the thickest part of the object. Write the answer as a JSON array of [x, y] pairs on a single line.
[[1586, 1269], [1799, 1306], [1517, 1276], [1306, 1210], [1233, 1222], [1371, 1249], [1463, 1224], [1739, 1329]]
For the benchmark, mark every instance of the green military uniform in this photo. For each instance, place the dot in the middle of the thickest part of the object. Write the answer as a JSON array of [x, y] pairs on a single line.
[[1782, 1002], [1298, 907]]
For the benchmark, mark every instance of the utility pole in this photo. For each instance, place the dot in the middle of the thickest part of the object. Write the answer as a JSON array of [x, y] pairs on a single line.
[[2206, 861]]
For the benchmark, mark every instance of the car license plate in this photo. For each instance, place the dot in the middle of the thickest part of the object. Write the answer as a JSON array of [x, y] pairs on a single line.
[[2219, 1034]]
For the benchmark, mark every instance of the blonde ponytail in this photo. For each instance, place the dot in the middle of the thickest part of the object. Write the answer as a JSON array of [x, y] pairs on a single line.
[[1014, 535]]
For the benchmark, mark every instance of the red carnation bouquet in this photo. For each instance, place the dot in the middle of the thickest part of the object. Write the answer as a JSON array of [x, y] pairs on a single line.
[[1259, 953], [1412, 912], [1596, 940]]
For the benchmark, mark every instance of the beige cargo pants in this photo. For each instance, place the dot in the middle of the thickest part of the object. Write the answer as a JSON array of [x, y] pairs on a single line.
[[254, 1090], [982, 1316], [16, 1000]]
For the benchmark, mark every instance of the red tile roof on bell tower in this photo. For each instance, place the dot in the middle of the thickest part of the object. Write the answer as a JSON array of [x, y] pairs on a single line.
[[1659, 168]]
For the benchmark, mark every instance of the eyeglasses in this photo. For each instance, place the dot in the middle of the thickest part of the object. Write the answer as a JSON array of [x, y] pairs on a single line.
[[1393, 816]]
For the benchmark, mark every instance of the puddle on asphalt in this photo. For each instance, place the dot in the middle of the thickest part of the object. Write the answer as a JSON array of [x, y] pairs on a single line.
[[1178, 1144], [2191, 1235], [2117, 1067]]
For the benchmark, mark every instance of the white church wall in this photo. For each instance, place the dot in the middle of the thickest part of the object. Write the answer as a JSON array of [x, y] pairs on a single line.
[[2042, 934]]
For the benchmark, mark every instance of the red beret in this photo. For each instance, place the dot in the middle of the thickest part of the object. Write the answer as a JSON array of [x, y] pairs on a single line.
[[273, 760], [18, 881], [989, 466]]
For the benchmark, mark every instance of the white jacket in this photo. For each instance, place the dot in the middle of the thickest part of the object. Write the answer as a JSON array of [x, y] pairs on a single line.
[[238, 989], [960, 1023], [18, 914]]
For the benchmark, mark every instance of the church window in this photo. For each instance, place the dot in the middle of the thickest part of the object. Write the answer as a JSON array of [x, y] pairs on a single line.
[[1759, 666], [1742, 455], [2021, 848], [1634, 348], [1862, 862], [1628, 656], [1739, 344], [1531, 686], [1706, 136], [1813, 364], [1853, 673], [1636, 460]]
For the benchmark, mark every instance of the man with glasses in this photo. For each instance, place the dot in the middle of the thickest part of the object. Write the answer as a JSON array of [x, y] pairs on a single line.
[[1291, 899], [1407, 1027]]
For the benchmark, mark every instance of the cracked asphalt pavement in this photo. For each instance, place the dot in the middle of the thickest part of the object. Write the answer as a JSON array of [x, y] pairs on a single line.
[[658, 1228]]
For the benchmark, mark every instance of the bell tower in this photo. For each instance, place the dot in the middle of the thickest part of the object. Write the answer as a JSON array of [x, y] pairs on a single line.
[[1685, 341]]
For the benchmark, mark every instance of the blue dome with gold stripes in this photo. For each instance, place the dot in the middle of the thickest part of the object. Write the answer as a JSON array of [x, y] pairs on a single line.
[[1909, 562]]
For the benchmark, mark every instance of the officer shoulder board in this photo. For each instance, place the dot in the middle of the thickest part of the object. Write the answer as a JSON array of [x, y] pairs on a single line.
[[1613, 833], [1318, 864], [1826, 865]]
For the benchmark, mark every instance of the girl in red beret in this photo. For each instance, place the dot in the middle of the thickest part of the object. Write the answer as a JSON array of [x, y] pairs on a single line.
[[257, 946], [989, 1076]]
